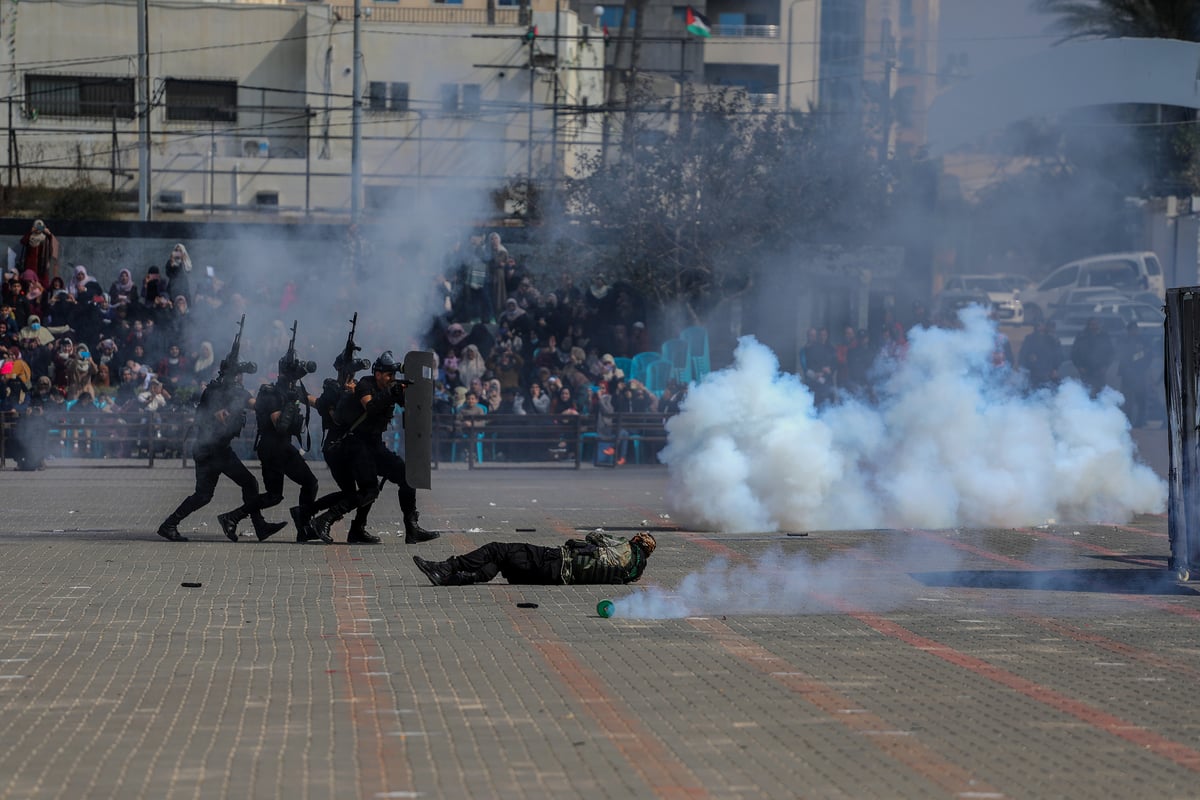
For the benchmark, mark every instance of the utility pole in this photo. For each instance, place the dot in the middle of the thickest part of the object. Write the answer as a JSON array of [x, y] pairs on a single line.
[[144, 101], [356, 122]]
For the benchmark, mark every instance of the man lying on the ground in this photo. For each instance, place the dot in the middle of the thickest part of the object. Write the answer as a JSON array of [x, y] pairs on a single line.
[[599, 558]]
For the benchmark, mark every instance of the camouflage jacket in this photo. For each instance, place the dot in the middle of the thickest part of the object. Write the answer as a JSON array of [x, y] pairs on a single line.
[[600, 558]]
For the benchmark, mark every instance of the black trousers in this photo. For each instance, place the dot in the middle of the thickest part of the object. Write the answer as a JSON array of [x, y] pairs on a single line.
[[518, 562], [357, 464], [279, 460], [213, 461]]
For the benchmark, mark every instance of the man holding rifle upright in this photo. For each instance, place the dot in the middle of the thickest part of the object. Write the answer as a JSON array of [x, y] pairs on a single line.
[[280, 410], [220, 418]]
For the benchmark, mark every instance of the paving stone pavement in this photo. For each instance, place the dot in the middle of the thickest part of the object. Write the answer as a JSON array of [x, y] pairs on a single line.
[[1054, 661]]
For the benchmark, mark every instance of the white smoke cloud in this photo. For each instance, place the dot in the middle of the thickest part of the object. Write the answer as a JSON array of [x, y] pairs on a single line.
[[779, 583], [951, 442]]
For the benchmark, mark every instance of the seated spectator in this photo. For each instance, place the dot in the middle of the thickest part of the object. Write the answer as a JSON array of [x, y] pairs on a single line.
[[450, 372], [84, 287], [173, 370], [460, 399], [539, 401], [154, 398], [205, 367], [123, 291], [471, 367], [506, 366], [492, 397], [81, 373], [563, 402]]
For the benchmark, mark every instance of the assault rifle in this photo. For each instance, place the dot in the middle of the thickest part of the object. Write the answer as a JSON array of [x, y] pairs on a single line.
[[292, 369], [230, 367], [346, 364]]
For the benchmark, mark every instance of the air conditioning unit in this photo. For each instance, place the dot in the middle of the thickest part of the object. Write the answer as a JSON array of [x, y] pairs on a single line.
[[170, 201], [267, 202], [255, 147]]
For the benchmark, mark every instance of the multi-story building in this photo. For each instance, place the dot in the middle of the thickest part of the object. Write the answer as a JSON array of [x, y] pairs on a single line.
[[869, 62], [251, 105]]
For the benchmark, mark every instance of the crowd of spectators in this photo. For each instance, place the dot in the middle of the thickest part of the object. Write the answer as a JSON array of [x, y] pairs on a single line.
[[862, 357], [505, 343]]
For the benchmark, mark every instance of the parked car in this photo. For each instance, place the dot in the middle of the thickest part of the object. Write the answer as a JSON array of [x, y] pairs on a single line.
[[1125, 273], [948, 302], [1005, 300], [1113, 318]]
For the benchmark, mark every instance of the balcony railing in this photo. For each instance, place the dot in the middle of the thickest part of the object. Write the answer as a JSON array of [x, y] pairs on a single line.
[[763, 99], [433, 16], [746, 31]]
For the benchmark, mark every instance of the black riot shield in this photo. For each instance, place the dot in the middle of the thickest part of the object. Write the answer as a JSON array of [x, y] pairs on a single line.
[[418, 419]]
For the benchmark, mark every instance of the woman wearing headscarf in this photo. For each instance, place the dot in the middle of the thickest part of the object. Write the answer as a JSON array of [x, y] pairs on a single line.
[[84, 287], [471, 366], [39, 252], [177, 268], [124, 292], [205, 368]]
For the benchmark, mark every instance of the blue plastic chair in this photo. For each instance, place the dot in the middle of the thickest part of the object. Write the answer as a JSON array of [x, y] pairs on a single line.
[[658, 375], [464, 436], [624, 364], [675, 352], [637, 370], [697, 338]]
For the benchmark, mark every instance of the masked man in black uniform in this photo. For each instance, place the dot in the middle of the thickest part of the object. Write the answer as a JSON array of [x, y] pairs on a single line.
[[219, 420], [279, 410], [360, 457]]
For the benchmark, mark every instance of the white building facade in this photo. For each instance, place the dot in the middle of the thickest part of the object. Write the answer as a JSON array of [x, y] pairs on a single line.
[[251, 104]]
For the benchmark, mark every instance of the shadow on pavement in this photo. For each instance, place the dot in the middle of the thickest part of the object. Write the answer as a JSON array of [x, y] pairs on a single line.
[[1112, 581]]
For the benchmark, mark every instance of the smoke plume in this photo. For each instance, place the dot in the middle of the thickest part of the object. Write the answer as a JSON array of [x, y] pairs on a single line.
[[951, 441]]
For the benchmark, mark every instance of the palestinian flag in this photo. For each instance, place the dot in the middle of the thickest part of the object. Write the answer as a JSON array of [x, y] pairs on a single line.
[[697, 23]]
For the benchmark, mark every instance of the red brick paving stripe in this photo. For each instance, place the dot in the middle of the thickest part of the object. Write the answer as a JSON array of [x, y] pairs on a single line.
[[381, 760], [908, 750], [1109, 723], [1102, 720], [657, 766]]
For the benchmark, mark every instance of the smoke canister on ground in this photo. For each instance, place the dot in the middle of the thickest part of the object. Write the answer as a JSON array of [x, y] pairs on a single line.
[[605, 608]]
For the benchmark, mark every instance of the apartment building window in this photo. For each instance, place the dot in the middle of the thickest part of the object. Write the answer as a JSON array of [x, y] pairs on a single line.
[[201, 100], [385, 96], [465, 98], [612, 17], [79, 96], [449, 96], [377, 96], [398, 100], [447, 2], [472, 98]]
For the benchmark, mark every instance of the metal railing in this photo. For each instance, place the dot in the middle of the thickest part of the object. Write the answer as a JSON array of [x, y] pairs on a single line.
[[745, 31], [433, 16], [491, 440]]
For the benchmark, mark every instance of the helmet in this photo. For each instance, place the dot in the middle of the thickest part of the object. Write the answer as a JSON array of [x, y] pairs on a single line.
[[645, 541], [386, 363]]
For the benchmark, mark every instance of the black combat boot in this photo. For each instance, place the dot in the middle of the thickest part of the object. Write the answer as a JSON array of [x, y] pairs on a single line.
[[169, 530], [229, 522], [413, 532], [360, 535], [440, 573], [263, 529], [303, 525], [320, 525]]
